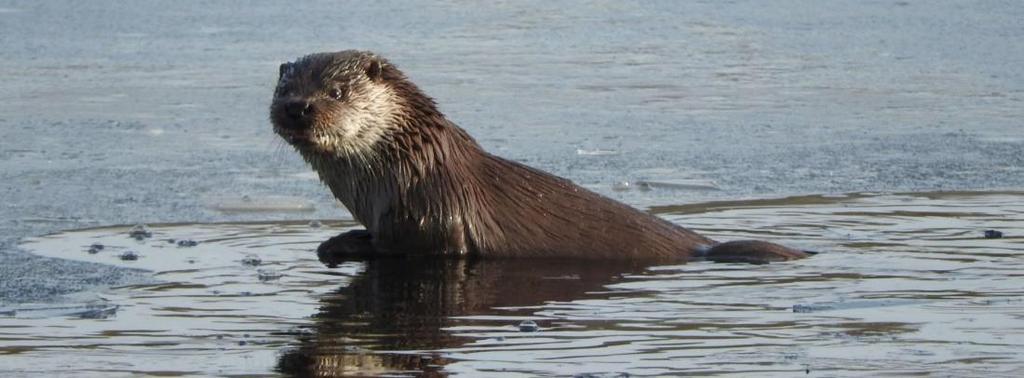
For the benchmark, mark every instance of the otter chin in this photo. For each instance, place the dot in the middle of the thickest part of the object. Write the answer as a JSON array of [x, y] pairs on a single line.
[[422, 186]]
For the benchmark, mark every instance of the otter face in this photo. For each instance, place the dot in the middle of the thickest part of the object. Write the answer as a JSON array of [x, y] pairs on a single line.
[[335, 104]]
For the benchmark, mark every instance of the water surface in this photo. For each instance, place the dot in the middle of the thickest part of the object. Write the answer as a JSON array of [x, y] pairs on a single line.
[[906, 285], [116, 112]]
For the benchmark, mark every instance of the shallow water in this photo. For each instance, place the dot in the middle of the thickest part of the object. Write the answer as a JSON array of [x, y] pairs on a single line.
[[906, 284], [116, 112], [153, 111]]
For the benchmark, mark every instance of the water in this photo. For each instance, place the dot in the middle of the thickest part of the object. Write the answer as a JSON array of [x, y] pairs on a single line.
[[906, 284], [117, 113]]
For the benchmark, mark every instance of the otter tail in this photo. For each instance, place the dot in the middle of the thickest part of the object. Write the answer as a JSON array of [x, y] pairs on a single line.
[[750, 251]]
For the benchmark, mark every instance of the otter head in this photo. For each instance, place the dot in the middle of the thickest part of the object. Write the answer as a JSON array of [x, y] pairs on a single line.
[[336, 104]]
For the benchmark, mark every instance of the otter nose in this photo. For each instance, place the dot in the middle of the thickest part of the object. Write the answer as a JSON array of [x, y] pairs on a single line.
[[298, 109]]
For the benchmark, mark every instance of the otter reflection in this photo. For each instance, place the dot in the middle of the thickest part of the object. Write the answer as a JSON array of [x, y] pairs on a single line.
[[406, 304]]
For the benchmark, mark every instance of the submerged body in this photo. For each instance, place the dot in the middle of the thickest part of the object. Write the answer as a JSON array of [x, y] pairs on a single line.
[[422, 185]]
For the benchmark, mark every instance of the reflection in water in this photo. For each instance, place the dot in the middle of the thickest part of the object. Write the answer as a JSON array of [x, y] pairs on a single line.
[[407, 304]]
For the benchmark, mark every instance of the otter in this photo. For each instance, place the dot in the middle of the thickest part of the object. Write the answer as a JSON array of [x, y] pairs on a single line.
[[422, 186]]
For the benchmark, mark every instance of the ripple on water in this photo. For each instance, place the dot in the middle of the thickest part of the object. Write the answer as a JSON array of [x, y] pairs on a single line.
[[906, 284]]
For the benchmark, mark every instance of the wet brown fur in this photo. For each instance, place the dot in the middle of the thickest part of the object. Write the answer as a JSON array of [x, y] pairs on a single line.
[[427, 187]]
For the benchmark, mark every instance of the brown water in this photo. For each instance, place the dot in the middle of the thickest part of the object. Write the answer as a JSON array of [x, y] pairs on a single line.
[[906, 285]]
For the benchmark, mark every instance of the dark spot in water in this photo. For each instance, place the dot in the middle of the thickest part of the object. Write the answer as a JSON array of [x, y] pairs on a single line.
[[993, 234], [128, 256], [140, 232], [251, 260], [187, 243], [528, 326]]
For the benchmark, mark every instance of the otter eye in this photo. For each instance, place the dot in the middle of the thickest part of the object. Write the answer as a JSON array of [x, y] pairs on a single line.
[[336, 93]]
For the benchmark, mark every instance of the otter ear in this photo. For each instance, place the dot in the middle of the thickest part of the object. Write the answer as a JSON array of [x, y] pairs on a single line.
[[374, 69], [283, 69]]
